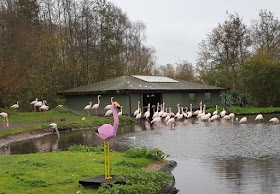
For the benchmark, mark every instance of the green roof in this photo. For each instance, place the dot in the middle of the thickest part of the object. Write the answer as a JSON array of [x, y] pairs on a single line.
[[139, 83]]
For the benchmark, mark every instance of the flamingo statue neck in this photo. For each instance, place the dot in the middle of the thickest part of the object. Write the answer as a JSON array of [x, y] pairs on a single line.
[[116, 118]]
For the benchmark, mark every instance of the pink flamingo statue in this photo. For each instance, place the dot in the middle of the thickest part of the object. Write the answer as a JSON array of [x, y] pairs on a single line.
[[107, 132]]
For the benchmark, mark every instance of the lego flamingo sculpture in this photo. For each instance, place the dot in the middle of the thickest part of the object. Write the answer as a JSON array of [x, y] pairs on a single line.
[[107, 132]]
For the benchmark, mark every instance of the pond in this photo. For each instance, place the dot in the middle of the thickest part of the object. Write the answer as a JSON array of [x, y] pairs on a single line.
[[212, 157]]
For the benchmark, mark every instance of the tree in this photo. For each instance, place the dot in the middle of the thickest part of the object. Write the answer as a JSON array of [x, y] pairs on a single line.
[[265, 33], [223, 52], [261, 76], [185, 71]]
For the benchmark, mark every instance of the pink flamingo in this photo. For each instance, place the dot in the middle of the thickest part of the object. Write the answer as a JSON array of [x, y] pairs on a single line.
[[5, 118], [107, 132]]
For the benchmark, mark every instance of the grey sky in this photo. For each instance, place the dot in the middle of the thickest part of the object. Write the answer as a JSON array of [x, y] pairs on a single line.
[[175, 28]]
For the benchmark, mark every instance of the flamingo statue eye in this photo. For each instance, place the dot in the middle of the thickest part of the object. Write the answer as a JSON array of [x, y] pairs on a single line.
[[117, 105]]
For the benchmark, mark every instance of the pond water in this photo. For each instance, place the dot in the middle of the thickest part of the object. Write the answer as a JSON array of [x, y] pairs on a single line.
[[215, 157]]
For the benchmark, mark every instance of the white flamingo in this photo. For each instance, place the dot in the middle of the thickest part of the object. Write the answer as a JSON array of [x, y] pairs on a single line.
[[109, 106], [108, 113], [44, 107], [147, 114], [203, 116], [139, 115], [243, 120], [96, 106], [136, 112], [214, 117], [5, 118], [156, 114], [199, 112], [190, 114], [15, 106], [232, 115], [156, 120], [34, 101], [54, 126], [121, 112], [259, 117], [216, 111], [87, 107], [171, 122], [274, 120], [178, 112], [223, 113]]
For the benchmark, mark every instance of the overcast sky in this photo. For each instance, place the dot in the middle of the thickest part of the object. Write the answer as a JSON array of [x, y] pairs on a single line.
[[176, 27]]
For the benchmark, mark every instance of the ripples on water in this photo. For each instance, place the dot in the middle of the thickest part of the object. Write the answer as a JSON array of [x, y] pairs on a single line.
[[216, 157]]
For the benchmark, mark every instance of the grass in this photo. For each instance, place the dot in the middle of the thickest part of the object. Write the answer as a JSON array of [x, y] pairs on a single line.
[[59, 172], [28, 121], [247, 110]]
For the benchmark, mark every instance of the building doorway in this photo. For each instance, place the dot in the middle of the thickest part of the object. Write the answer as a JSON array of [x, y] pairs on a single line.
[[153, 99]]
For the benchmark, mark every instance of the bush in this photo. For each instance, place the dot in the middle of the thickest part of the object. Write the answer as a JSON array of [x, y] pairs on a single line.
[[155, 154]]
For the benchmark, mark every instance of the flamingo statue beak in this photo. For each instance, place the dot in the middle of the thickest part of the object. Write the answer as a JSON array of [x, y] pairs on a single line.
[[117, 105]]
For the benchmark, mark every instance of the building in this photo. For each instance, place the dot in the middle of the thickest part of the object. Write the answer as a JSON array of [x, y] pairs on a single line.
[[128, 90]]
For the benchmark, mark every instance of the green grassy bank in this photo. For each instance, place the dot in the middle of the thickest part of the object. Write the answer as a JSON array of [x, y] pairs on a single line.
[[62, 116], [60, 171], [247, 110]]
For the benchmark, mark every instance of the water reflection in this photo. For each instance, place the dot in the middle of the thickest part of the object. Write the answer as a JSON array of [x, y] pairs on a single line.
[[212, 157]]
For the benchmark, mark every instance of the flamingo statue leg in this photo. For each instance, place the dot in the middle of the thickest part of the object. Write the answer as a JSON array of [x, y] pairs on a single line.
[[107, 160]]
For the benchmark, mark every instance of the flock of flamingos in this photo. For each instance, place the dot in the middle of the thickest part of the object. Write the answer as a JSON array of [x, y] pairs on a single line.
[[161, 114]]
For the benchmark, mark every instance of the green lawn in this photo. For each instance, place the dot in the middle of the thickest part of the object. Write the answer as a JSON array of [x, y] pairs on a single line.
[[27, 121], [60, 172], [247, 110]]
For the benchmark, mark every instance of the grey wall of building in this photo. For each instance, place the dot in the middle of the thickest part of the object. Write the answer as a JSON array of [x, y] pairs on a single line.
[[129, 101]]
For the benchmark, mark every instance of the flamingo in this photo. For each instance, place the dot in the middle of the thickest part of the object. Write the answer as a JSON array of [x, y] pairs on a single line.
[[156, 114], [33, 103], [39, 104], [139, 115], [87, 107], [120, 113], [165, 114], [214, 117], [243, 120], [15, 106], [216, 111], [178, 112], [96, 106], [156, 120], [171, 121], [5, 118], [168, 114], [109, 106], [147, 114], [274, 120], [44, 107], [189, 114], [259, 117], [107, 132], [54, 126], [232, 115], [198, 112], [161, 110], [108, 113], [138, 109], [203, 116], [223, 113]]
